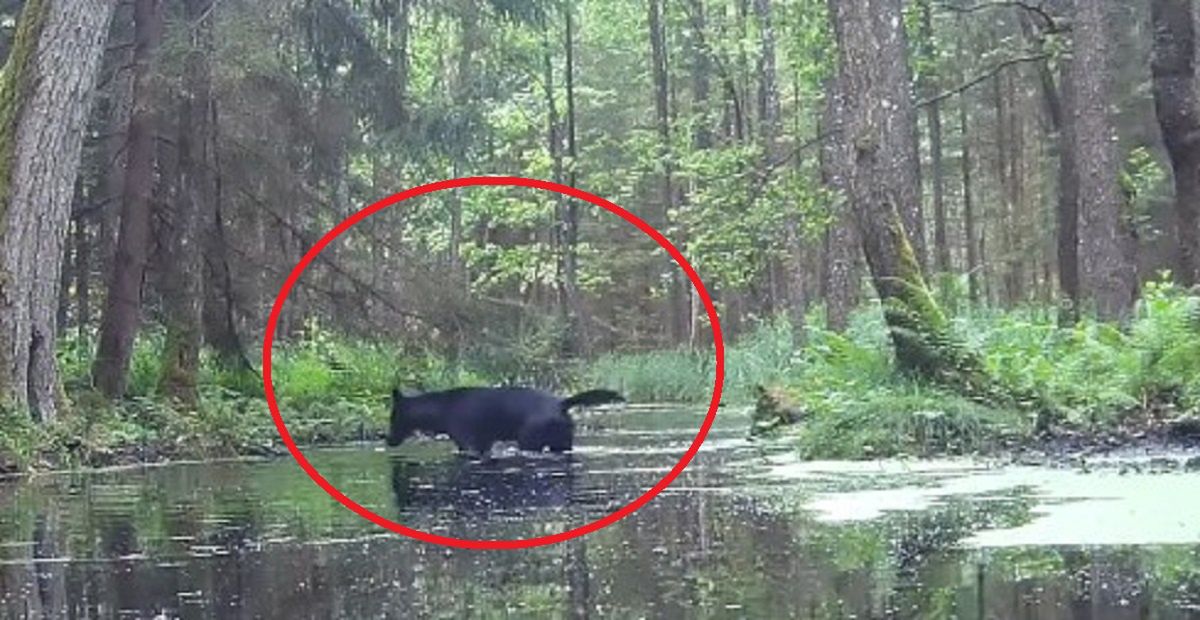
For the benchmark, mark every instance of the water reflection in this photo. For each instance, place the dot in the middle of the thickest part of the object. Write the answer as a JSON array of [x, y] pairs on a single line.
[[516, 486], [260, 540]]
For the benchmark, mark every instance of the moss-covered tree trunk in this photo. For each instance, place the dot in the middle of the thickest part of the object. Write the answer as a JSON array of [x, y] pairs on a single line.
[[45, 95], [878, 125]]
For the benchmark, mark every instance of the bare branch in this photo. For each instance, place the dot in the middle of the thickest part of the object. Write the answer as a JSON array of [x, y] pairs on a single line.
[[1039, 10], [990, 73]]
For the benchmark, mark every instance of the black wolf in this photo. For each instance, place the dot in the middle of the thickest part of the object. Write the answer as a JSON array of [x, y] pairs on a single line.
[[476, 418]]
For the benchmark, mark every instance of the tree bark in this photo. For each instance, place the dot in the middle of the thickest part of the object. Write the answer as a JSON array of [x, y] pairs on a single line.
[[1175, 101], [118, 97], [842, 246], [122, 309], [45, 94], [1108, 272]]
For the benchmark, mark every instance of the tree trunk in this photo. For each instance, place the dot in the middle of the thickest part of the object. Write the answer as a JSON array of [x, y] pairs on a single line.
[[182, 286], [118, 95], [878, 122], [970, 236], [1005, 221], [66, 277], [1108, 272], [1057, 98], [794, 273], [1175, 100], [576, 336], [678, 314], [45, 95], [702, 135], [83, 279], [122, 309], [933, 118], [1067, 210]]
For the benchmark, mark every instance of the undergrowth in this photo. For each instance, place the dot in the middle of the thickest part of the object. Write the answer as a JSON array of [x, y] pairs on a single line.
[[1098, 375], [329, 389], [842, 387]]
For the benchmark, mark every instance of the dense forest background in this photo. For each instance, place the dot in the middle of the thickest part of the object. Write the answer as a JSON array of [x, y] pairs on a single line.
[[931, 159]]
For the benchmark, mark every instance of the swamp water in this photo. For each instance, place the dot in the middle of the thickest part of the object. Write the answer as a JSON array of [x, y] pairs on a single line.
[[746, 531]]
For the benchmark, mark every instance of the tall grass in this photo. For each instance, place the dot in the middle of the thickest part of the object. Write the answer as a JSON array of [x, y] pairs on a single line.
[[687, 376]]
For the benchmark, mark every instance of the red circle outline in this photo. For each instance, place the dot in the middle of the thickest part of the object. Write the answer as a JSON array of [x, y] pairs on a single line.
[[519, 543]]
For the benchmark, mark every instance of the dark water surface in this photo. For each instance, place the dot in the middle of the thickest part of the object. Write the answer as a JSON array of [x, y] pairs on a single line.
[[742, 533]]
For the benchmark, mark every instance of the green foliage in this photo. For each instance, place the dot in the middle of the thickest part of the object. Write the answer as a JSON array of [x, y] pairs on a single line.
[[1094, 371], [1099, 375], [1144, 182], [20, 439]]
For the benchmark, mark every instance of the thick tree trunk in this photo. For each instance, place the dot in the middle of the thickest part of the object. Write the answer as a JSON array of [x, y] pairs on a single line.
[[182, 285], [1067, 211], [1175, 100], [1108, 272], [45, 95], [879, 112]]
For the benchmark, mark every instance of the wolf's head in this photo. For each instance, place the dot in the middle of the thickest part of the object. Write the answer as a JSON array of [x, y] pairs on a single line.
[[402, 423]]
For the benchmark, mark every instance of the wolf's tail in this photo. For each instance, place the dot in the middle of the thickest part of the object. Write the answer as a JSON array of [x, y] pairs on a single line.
[[591, 398]]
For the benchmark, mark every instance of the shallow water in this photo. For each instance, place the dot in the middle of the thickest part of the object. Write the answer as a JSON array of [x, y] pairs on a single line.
[[745, 532]]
